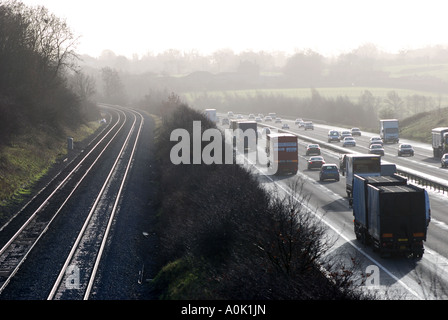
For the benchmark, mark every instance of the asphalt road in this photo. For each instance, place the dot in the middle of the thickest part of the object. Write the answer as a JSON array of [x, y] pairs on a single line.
[[398, 278]]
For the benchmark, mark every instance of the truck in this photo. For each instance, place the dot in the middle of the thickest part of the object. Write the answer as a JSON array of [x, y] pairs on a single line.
[[439, 141], [244, 133], [360, 164], [390, 215], [389, 130], [282, 153], [211, 115]]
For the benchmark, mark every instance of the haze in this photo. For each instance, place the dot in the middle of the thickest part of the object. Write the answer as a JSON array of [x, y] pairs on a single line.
[[325, 26]]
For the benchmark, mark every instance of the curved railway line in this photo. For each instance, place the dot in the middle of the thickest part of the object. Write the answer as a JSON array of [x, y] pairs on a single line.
[[77, 208]]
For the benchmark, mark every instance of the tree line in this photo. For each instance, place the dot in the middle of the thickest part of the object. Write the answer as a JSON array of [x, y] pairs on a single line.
[[40, 82], [360, 62], [223, 236]]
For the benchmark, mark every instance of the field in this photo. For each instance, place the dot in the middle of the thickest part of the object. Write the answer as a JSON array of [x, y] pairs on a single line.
[[352, 93], [420, 70]]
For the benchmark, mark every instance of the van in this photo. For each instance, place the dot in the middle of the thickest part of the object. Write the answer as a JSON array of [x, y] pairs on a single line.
[[388, 169]]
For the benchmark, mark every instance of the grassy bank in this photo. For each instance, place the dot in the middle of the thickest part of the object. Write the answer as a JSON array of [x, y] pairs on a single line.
[[419, 126], [29, 156]]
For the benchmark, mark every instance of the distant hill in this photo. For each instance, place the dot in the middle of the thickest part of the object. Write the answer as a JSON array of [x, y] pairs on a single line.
[[418, 127]]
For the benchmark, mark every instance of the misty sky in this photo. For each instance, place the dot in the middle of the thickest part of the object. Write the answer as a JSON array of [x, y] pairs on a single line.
[[329, 27]]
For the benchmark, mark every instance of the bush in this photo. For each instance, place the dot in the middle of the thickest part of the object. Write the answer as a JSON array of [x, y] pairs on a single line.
[[240, 241]]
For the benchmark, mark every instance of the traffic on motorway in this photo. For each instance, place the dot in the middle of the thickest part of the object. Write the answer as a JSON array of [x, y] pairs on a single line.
[[320, 157]]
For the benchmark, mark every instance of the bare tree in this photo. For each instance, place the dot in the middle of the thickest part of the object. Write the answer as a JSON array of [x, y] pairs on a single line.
[[113, 88], [52, 39], [394, 101], [83, 85]]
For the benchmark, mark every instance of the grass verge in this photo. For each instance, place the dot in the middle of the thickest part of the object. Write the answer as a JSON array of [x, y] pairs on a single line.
[[418, 127], [29, 156]]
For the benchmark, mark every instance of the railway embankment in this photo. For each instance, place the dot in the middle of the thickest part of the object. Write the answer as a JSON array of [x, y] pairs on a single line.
[[30, 159]]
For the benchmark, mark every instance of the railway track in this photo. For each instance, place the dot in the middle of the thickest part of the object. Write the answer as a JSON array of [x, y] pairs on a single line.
[[20, 236]]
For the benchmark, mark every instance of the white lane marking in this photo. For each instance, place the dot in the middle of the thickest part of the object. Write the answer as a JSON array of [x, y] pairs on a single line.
[[376, 262]]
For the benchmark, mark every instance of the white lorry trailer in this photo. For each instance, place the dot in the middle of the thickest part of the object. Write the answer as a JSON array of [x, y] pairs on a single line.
[[389, 130]]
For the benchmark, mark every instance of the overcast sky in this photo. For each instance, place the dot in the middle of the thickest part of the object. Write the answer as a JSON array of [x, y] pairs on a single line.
[[329, 27]]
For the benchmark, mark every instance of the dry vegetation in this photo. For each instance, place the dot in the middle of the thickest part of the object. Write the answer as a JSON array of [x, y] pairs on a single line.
[[224, 237]]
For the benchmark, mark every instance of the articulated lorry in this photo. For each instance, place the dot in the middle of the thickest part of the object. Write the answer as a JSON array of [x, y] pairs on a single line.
[[245, 134], [211, 115], [360, 164], [439, 141], [389, 131], [390, 214], [282, 153]]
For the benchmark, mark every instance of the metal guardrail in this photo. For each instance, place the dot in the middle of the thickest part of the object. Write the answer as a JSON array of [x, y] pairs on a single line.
[[424, 180]]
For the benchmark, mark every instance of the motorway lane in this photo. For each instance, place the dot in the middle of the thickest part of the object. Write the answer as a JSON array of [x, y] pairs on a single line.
[[400, 278], [422, 161]]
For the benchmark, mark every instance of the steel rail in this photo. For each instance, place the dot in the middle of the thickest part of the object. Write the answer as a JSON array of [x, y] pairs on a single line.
[[117, 199], [75, 247], [44, 203]]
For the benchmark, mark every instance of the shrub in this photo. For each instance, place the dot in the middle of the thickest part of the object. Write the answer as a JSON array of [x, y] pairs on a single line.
[[248, 243]]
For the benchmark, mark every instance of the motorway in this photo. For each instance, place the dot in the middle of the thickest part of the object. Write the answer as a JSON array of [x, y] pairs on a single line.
[[397, 277]]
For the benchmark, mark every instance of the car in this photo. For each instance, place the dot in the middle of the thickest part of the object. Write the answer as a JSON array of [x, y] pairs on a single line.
[[312, 149], [333, 135], [329, 171], [225, 121], [278, 120], [258, 119], [376, 149], [349, 142], [315, 162], [268, 119], [308, 125], [356, 132], [345, 133], [444, 160], [239, 116], [251, 116], [376, 140], [285, 126], [298, 121], [405, 149], [230, 115]]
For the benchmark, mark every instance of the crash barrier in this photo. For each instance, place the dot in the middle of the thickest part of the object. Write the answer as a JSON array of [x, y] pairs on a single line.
[[424, 180]]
